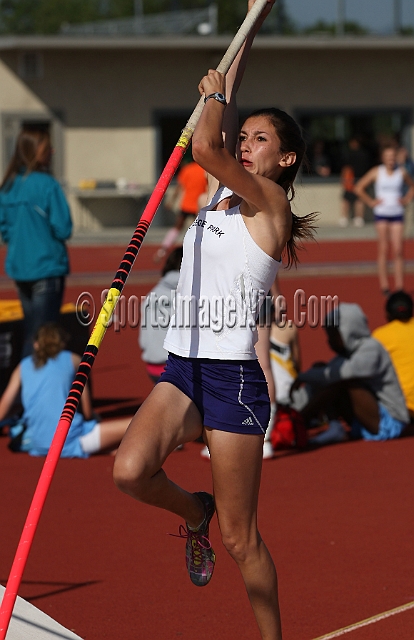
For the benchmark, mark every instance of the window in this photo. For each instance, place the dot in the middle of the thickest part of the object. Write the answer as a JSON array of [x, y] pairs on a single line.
[[327, 134], [169, 126], [31, 65]]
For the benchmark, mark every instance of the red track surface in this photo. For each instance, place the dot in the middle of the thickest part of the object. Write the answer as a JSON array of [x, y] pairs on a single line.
[[339, 521]]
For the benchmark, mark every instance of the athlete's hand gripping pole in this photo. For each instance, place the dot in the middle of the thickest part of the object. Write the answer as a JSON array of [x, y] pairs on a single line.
[[99, 330]]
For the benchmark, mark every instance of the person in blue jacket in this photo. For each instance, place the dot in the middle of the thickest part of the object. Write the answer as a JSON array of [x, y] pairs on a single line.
[[35, 221]]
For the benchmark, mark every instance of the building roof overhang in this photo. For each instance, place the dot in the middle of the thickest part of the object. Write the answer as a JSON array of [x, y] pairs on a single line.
[[197, 43]]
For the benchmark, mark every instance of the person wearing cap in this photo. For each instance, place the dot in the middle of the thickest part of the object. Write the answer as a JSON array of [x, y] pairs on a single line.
[[397, 336]]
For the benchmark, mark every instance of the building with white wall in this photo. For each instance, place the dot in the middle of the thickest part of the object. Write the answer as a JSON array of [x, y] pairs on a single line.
[[115, 106]]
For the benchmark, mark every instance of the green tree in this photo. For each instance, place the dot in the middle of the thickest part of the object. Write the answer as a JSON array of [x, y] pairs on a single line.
[[230, 15], [233, 12], [159, 6], [354, 28], [47, 16], [279, 20]]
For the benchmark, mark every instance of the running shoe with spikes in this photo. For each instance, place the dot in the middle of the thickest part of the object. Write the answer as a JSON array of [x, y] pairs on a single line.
[[200, 557]]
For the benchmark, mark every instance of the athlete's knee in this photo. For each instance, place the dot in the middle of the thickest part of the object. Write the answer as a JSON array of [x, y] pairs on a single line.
[[130, 476], [240, 546]]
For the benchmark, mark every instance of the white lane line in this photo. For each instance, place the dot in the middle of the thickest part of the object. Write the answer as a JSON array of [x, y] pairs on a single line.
[[368, 621]]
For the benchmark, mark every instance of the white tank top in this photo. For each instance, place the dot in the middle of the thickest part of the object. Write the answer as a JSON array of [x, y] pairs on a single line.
[[389, 189], [224, 278]]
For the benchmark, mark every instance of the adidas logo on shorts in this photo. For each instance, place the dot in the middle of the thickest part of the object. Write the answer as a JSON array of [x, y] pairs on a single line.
[[248, 421]]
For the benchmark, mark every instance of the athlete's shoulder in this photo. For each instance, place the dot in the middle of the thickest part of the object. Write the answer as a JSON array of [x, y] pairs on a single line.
[[274, 193]]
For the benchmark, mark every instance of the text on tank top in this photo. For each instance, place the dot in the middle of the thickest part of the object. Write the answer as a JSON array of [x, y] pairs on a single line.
[[224, 278]]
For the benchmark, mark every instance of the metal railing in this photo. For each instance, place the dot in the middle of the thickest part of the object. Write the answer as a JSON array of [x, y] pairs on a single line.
[[200, 21]]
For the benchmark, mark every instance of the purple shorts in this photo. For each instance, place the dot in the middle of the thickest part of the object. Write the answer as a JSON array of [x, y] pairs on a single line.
[[388, 218], [231, 395]]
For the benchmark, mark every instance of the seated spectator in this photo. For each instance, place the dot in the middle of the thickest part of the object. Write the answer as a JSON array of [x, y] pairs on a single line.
[[262, 347], [44, 380], [285, 363], [397, 336], [358, 386], [284, 358], [155, 316]]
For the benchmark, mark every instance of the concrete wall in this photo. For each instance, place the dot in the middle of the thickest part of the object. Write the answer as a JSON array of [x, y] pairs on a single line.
[[323, 198], [14, 93], [15, 96], [331, 79], [108, 153]]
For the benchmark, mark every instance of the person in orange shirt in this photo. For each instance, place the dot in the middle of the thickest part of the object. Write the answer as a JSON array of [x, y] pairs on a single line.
[[356, 164], [191, 188]]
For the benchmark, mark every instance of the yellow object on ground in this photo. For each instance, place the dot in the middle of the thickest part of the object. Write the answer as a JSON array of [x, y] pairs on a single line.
[[11, 310], [87, 184]]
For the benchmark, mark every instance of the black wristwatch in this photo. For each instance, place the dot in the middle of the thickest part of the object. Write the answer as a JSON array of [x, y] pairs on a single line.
[[217, 96]]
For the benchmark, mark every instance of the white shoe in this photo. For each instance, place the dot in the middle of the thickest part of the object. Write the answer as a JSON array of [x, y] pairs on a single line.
[[343, 222], [205, 453], [359, 222], [267, 450]]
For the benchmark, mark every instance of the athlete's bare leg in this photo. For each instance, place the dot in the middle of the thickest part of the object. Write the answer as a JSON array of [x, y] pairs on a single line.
[[236, 462], [396, 230], [167, 419], [359, 209], [345, 211], [382, 233], [112, 432]]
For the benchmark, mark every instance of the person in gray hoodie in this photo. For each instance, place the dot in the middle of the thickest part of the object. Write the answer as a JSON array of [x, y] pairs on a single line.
[[359, 384], [155, 316]]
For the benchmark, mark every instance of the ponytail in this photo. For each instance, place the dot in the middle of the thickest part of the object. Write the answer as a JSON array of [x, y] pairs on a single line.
[[303, 229]]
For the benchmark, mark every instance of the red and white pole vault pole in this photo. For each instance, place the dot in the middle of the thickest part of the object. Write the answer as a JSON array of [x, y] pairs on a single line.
[[99, 330]]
